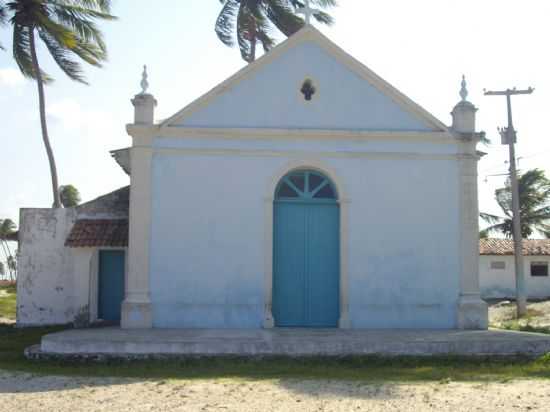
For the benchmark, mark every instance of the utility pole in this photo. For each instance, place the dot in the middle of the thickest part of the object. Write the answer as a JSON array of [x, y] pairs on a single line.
[[509, 137]]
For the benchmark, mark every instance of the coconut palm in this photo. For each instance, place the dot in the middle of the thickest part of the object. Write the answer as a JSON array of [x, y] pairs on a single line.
[[12, 266], [252, 22], [68, 30], [70, 196], [7, 230], [534, 200]]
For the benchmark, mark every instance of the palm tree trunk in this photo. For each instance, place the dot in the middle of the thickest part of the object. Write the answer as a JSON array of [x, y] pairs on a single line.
[[7, 258], [13, 271], [45, 137]]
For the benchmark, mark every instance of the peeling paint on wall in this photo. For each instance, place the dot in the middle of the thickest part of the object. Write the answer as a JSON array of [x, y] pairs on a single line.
[[46, 268]]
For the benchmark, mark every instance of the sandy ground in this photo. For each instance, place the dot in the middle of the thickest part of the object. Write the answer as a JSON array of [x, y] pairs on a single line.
[[539, 313], [23, 392]]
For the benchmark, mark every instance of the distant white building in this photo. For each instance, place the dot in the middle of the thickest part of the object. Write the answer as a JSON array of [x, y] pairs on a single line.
[[496, 268]]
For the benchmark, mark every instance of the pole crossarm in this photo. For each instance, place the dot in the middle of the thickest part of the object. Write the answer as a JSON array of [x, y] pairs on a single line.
[[508, 92]]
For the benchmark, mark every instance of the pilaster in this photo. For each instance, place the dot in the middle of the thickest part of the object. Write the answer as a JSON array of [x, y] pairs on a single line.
[[472, 310], [136, 308]]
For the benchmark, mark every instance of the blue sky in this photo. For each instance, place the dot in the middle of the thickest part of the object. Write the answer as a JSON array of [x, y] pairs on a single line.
[[421, 47]]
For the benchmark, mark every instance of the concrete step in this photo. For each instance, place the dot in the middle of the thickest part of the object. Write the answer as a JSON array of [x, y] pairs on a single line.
[[292, 342]]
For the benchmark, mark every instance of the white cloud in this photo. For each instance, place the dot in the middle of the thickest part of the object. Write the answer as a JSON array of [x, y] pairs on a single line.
[[69, 112], [72, 116], [11, 77]]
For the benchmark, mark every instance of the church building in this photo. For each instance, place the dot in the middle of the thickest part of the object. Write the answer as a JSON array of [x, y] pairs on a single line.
[[304, 191]]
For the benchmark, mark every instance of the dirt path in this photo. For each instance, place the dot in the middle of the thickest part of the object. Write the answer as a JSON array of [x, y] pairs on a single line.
[[23, 392], [503, 312]]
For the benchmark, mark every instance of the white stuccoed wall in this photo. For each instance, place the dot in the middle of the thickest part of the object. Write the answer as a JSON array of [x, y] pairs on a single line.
[[208, 229], [203, 182], [498, 283], [53, 280]]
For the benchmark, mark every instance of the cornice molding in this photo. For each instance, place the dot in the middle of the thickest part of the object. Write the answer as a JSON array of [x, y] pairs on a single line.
[[253, 133]]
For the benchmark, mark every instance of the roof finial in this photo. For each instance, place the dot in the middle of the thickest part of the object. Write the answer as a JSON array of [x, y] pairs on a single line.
[[463, 89], [308, 12], [144, 83]]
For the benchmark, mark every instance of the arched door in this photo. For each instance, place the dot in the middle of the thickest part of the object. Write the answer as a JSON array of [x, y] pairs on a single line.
[[306, 251]]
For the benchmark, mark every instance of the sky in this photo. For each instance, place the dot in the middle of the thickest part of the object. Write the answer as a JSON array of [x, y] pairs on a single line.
[[421, 47]]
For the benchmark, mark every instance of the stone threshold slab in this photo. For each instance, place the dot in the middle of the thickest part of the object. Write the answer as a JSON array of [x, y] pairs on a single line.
[[291, 342]]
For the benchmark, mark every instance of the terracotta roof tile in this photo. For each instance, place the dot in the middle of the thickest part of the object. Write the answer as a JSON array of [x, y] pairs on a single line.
[[98, 232], [531, 247]]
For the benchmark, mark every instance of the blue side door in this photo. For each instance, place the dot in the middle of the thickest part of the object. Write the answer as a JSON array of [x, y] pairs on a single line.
[[110, 284]]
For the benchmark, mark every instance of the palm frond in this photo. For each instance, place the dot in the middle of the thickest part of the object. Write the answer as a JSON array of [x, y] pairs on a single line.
[[61, 56], [245, 37], [103, 6], [68, 29], [3, 18], [22, 53], [7, 227], [80, 21], [502, 228], [65, 37], [283, 17], [252, 22], [491, 219], [225, 23]]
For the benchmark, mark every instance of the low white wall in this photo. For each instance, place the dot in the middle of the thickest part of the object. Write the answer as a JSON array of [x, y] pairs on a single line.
[[501, 283], [53, 282]]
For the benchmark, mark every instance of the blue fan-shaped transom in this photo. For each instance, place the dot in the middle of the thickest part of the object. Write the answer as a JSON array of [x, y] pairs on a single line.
[[305, 185]]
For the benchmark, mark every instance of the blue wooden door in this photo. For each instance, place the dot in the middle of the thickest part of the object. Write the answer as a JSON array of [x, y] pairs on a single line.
[[306, 264], [111, 284]]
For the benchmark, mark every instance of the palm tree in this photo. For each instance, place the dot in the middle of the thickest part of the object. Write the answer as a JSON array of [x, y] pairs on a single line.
[[7, 229], [12, 266], [534, 200], [68, 30], [70, 196], [252, 22]]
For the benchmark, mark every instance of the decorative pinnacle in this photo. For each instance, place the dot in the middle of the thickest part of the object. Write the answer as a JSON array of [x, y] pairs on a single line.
[[144, 83], [463, 89]]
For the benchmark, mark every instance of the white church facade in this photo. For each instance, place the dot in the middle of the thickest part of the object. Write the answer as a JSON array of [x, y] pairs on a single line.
[[304, 191]]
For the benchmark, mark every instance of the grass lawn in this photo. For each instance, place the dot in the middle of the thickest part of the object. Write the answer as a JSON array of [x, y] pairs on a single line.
[[7, 301], [368, 368]]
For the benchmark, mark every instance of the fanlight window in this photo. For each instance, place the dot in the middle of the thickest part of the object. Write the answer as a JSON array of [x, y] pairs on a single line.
[[305, 185]]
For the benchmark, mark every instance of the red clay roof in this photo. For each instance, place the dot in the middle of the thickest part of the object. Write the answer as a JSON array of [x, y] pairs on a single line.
[[531, 247], [98, 232]]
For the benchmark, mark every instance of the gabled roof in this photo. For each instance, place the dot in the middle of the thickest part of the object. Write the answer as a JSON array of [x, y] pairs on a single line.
[[310, 34], [112, 205], [531, 247], [102, 221]]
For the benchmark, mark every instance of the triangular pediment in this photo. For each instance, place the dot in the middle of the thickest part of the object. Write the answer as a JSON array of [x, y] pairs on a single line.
[[268, 93]]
